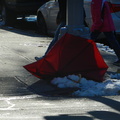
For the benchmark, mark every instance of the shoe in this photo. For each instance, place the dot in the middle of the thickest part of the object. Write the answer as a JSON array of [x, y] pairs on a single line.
[[38, 58], [117, 63]]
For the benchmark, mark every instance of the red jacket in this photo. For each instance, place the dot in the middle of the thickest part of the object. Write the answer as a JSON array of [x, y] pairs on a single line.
[[101, 16]]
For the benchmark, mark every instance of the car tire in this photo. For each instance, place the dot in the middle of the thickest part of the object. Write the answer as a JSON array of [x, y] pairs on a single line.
[[8, 16], [42, 28]]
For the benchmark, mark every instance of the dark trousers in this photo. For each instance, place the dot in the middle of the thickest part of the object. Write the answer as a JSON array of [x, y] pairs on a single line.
[[111, 39], [55, 39]]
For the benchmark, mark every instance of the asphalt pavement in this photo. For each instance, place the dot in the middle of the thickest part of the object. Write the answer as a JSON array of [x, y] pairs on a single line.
[[25, 97]]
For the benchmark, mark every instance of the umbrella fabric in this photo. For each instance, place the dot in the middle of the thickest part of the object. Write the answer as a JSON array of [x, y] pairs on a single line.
[[71, 55]]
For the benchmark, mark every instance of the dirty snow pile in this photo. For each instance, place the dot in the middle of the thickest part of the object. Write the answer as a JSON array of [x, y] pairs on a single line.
[[105, 48], [111, 86]]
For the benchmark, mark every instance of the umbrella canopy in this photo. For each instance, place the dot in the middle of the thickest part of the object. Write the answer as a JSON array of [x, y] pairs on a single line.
[[70, 55]]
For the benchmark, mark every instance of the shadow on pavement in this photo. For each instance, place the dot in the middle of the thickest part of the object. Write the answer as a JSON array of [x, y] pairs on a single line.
[[94, 115], [108, 101], [45, 88], [105, 115], [22, 31], [67, 117], [28, 28]]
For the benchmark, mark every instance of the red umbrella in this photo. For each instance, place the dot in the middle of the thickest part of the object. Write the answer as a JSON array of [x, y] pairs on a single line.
[[71, 55]]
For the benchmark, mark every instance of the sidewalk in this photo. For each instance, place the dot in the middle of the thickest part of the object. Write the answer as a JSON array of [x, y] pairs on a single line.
[[23, 96], [18, 48]]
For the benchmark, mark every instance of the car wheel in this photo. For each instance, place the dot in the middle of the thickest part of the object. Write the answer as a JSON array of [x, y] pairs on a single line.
[[8, 16], [42, 28]]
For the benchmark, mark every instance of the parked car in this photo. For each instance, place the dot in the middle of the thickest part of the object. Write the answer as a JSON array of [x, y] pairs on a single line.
[[10, 9], [46, 15]]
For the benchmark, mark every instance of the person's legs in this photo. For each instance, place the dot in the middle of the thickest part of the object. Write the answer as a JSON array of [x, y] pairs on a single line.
[[55, 39], [114, 44], [94, 35]]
